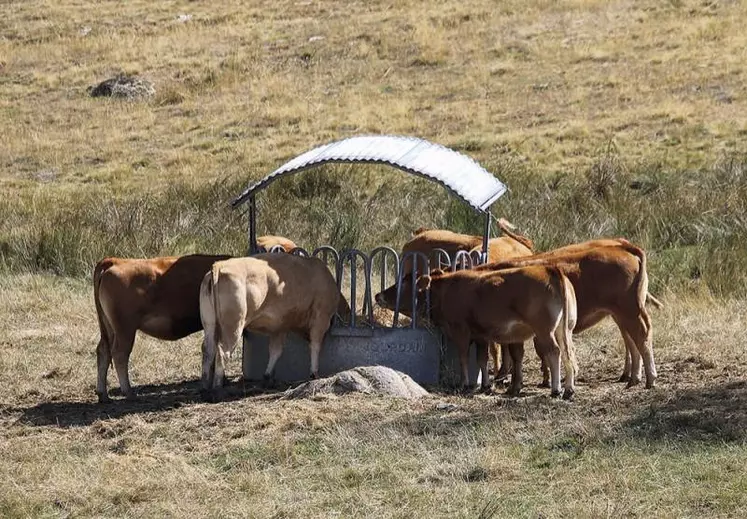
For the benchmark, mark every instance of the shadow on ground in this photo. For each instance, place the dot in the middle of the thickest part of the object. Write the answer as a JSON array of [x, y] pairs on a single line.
[[715, 413], [151, 398]]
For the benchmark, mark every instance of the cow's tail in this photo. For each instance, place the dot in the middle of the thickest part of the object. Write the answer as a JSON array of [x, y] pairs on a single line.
[[507, 229], [640, 282], [651, 299], [98, 272], [214, 274], [570, 315]]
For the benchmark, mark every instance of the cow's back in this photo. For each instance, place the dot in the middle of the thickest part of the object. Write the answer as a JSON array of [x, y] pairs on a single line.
[[505, 247], [427, 240], [282, 291], [602, 277]]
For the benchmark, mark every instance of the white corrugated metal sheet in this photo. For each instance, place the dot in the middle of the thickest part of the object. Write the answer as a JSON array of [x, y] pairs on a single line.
[[464, 177]]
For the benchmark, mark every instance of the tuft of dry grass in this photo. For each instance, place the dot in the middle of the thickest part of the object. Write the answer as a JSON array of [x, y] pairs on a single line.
[[677, 450]]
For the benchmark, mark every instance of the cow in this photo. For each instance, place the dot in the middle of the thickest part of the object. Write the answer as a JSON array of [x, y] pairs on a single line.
[[271, 294], [426, 240], [609, 280], [506, 307], [505, 368], [158, 296]]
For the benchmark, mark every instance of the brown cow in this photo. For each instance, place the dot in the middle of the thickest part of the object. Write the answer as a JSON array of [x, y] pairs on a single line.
[[426, 240], [158, 296], [608, 280], [505, 368], [508, 307], [266, 293]]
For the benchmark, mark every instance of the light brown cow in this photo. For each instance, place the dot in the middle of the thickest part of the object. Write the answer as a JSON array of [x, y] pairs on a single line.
[[608, 281], [426, 240], [158, 296], [508, 306], [267, 293]]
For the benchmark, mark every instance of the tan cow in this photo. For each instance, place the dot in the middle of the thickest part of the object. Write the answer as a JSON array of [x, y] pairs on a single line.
[[158, 296], [426, 240], [608, 281], [507, 307], [267, 293]]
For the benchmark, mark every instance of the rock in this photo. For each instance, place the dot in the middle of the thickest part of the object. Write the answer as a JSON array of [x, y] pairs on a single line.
[[124, 87], [369, 380]]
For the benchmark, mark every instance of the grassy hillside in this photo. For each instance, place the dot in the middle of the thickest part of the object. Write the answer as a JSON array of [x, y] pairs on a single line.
[[604, 118], [240, 88]]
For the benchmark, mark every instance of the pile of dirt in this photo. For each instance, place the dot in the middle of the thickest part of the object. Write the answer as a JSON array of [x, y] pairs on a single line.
[[123, 87], [369, 380]]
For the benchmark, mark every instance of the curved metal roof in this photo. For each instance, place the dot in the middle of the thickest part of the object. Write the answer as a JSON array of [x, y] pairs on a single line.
[[458, 173]]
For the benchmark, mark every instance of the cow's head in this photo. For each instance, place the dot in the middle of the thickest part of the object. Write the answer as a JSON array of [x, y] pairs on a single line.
[[388, 298]]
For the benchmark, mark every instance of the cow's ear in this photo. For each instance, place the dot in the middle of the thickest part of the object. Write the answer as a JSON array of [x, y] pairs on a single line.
[[424, 283], [437, 272]]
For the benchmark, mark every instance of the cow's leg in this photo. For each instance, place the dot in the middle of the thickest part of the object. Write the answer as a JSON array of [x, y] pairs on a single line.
[[316, 338], [276, 349], [103, 359], [208, 362], [632, 368], [505, 369], [549, 347], [516, 351], [483, 356], [461, 339], [123, 342], [625, 376], [569, 387], [543, 365], [639, 329]]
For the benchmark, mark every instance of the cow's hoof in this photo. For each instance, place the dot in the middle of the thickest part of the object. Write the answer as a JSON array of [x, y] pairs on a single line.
[[632, 383], [650, 385], [554, 394], [313, 376], [544, 384], [465, 390], [568, 394], [624, 378], [486, 390], [103, 398], [513, 391], [268, 381]]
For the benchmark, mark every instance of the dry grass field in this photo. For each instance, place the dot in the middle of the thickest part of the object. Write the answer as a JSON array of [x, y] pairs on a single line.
[[675, 451], [604, 118]]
